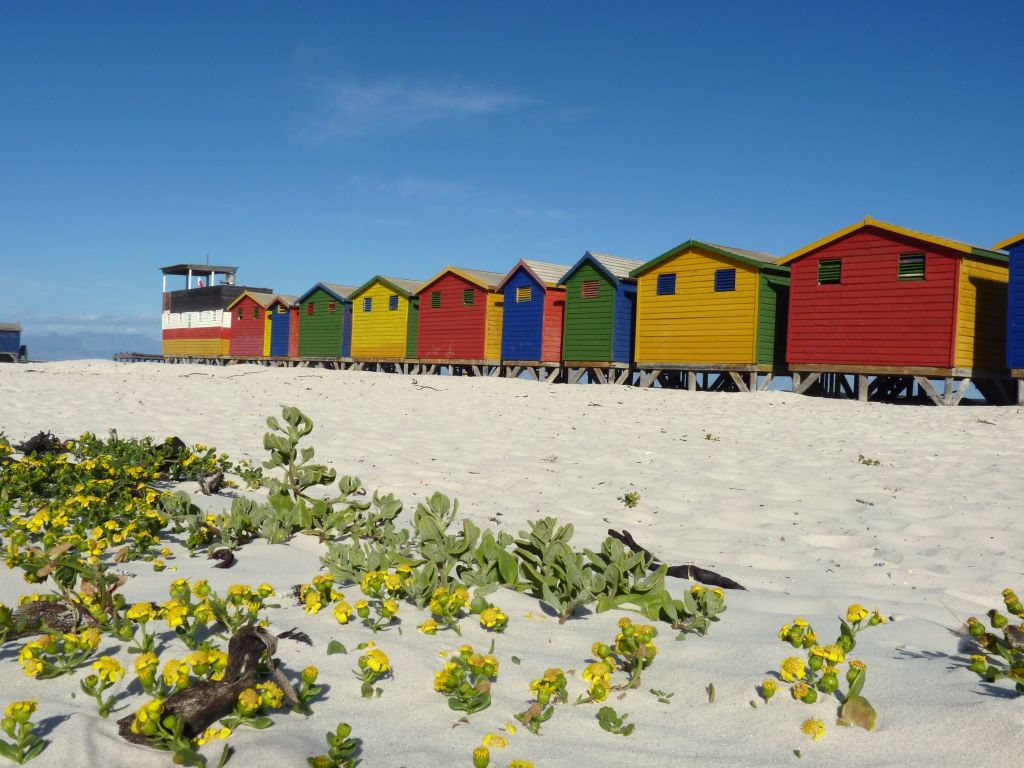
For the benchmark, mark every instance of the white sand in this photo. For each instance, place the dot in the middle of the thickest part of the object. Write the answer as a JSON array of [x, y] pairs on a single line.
[[779, 501]]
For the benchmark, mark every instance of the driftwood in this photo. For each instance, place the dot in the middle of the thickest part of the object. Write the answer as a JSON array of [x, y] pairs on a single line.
[[44, 442], [689, 571], [41, 616], [202, 703], [224, 555], [210, 484]]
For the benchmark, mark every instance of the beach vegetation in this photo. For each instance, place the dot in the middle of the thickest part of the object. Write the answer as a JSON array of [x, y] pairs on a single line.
[[548, 690], [17, 724], [342, 750], [613, 722], [466, 680], [1000, 651], [629, 499]]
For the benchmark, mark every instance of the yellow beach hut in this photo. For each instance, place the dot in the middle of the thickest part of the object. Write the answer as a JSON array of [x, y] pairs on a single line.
[[385, 317], [703, 306]]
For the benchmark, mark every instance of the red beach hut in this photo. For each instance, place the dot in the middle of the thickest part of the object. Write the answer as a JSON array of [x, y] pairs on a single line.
[[460, 317]]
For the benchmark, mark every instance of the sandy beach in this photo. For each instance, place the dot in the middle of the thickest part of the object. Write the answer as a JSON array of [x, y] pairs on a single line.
[[777, 491]]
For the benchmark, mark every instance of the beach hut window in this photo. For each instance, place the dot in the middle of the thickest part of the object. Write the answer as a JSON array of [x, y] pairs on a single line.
[[239, 313], [255, 313], [392, 303], [524, 293], [281, 309], [368, 304], [911, 266], [829, 271], [311, 308], [667, 285], [435, 299], [589, 289], [468, 297], [331, 307], [725, 280]]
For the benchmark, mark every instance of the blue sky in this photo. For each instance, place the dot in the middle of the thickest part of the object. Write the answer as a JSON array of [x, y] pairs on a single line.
[[332, 141]]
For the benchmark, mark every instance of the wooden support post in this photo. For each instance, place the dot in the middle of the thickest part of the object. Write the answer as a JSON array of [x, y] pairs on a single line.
[[844, 385], [801, 385], [927, 387], [767, 382], [1020, 391], [965, 383], [691, 381], [598, 375], [737, 380], [752, 381], [862, 387], [550, 374], [619, 378], [575, 374]]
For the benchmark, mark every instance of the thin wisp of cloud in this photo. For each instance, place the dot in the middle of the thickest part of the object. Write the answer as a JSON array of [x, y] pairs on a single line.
[[349, 108]]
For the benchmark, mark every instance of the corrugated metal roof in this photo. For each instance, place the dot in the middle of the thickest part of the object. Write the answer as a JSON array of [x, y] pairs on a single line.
[[767, 258], [549, 273], [342, 290], [490, 279], [409, 286], [10, 327], [617, 265]]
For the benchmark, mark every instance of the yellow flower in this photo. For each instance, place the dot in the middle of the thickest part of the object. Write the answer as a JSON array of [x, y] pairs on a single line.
[[212, 734], [767, 688], [510, 728], [108, 669], [270, 694], [830, 653], [520, 764], [342, 612], [89, 638], [248, 702], [428, 627], [494, 741], [145, 667], [814, 727], [141, 612], [376, 661], [481, 757], [175, 673], [20, 711], [147, 719], [176, 613], [389, 608], [793, 668], [599, 671], [493, 618], [854, 613]]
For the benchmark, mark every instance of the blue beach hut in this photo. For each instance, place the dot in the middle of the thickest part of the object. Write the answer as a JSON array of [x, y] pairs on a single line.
[[533, 306], [1014, 301]]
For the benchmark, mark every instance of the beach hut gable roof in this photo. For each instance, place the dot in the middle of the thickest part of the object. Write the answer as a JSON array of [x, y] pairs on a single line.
[[340, 292], [285, 299], [399, 285], [10, 327], [486, 280], [1009, 242], [544, 273], [263, 299], [960, 248], [752, 258], [615, 268]]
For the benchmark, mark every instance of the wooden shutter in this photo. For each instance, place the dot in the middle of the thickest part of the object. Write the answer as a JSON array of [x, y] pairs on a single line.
[[524, 293], [392, 303], [911, 266], [435, 299], [725, 279], [468, 297], [589, 289], [367, 304], [829, 271], [331, 306], [667, 284]]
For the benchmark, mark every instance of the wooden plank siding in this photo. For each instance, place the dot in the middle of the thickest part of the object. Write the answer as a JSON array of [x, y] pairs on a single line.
[[772, 318], [871, 317], [413, 329], [588, 323], [380, 332], [248, 327], [455, 330], [197, 342], [981, 315], [495, 317], [322, 332], [697, 324], [523, 322], [554, 313], [293, 332], [1015, 309], [280, 329]]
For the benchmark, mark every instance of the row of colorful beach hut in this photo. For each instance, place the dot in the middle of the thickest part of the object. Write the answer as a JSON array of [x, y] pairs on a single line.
[[873, 299]]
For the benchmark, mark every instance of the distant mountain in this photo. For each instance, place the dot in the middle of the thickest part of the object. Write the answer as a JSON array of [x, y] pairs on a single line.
[[77, 346]]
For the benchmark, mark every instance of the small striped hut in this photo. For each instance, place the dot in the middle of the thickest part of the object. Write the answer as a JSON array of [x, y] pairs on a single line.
[[385, 319], [702, 303], [1015, 303], [284, 327], [460, 317], [534, 306], [325, 321], [600, 302], [250, 325]]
